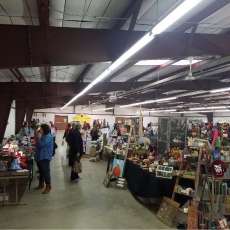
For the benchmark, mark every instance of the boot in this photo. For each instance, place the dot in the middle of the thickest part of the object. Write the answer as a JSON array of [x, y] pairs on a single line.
[[47, 189], [74, 176], [40, 186]]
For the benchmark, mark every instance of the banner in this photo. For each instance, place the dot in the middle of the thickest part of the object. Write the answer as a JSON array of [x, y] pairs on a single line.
[[82, 118]]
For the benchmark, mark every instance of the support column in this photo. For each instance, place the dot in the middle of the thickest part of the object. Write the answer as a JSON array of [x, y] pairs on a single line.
[[20, 115], [29, 114], [4, 114]]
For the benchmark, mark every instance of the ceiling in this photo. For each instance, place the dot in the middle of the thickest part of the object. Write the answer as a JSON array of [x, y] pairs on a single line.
[[118, 14]]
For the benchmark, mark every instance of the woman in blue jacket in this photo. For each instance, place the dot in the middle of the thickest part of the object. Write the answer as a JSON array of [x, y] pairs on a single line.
[[44, 151]]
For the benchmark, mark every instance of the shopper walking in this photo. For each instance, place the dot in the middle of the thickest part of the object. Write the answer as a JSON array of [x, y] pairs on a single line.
[[66, 133], [94, 133], [75, 151], [44, 151]]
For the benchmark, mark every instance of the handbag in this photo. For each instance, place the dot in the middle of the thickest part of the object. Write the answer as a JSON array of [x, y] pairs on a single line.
[[77, 167]]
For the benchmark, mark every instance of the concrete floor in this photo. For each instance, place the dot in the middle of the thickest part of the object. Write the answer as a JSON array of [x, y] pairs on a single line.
[[86, 205]]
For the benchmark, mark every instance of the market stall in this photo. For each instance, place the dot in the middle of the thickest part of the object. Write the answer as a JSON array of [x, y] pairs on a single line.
[[16, 169], [193, 167], [145, 184]]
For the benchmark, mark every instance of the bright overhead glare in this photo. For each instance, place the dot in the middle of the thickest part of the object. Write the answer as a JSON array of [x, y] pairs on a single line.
[[163, 25], [204, 111], [162, 111], [162, 62], [192, 93], [103, 109], [186, 62], [152, 62], [208, 108], [220, 90], [148, 102]]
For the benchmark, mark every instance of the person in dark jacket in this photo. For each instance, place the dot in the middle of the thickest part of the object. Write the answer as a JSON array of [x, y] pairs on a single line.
[[94, 133], [75, 142], [67, 130], [44, 152]]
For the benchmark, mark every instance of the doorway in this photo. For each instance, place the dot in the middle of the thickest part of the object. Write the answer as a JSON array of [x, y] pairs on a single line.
[[60, 122]]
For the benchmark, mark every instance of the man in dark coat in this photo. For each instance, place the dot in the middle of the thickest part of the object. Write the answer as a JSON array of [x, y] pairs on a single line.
[[75, 142]]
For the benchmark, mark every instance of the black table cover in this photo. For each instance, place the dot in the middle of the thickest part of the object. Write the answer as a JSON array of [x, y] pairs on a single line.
[[144, 184]]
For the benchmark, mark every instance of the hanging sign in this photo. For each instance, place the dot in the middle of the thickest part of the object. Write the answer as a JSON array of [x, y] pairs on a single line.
[[82, 118]]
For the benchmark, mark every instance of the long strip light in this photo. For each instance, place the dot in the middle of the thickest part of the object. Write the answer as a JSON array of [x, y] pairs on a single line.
[[220, 90], [204, 111], [157, 62], [103, 109], [208, 108], [149, 102], [153, 62], [185, 62], [163, 99], [162, 111], [163, 25]]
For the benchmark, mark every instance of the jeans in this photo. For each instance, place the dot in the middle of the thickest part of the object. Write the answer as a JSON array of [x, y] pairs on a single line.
[[44, 171]]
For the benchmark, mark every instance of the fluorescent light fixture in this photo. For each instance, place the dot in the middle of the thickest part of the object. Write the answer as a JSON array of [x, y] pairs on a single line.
[[204, 111], [162, 111], [175, 91], [208, 108], [220, 90], [192, 93], [163, 25], [192, 111], [222, 110], [103, 109], [185, 62], [152, 62], [148, 102]]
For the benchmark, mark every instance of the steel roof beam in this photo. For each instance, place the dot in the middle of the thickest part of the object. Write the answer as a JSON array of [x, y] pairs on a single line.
[[44, 89], [43, 14], [84, 72], [22, 46], [135, 14], [128, 12], [18, 75]]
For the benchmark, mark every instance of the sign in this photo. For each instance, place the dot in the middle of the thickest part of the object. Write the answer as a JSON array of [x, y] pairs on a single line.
[[82, 118]]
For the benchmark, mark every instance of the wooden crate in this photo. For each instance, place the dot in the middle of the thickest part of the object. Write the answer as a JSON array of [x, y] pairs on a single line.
[[168, 211]]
